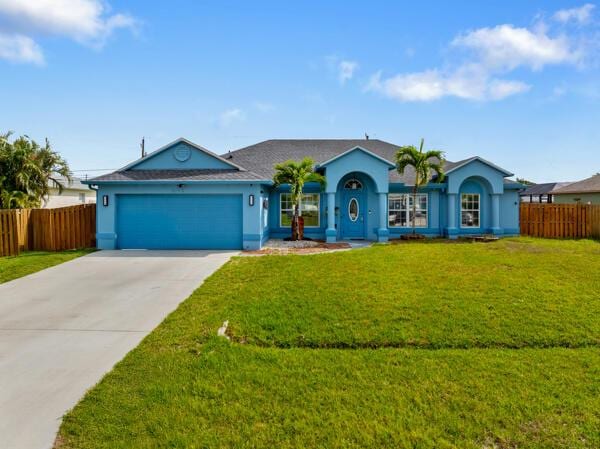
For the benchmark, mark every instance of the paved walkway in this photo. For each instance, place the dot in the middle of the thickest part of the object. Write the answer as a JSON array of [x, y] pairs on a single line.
[[63, 328]]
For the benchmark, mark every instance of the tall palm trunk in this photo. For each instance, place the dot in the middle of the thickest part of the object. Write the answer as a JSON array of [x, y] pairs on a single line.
[[295, 222], [414, 210]]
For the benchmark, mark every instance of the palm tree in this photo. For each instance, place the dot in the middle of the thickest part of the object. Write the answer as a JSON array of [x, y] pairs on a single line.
[[424, 164], [296, 174], [27, 169]]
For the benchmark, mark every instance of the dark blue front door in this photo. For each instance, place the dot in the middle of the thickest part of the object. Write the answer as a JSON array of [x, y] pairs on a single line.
[[352, 213]]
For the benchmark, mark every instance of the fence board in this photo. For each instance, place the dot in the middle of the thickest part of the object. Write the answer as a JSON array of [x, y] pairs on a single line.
[[47, 229], [560, 220], [9, 238]]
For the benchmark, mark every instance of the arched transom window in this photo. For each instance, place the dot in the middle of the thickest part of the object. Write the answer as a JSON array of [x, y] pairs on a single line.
[[353, 184]]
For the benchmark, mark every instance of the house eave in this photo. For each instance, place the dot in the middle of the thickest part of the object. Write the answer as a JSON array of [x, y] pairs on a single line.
[[514, 186], [573, 192], [506, 173], [187, 142], [350, 150], [181, 181]]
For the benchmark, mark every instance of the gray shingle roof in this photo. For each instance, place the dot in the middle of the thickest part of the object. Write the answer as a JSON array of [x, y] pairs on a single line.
[[261, 157], [588, 185], [73, 184], [450, 165], [259, 161], [543, 189], [179, 175]]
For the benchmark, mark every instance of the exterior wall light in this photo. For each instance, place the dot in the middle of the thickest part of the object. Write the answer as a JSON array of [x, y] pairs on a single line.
[[105, 200], [251, 200]]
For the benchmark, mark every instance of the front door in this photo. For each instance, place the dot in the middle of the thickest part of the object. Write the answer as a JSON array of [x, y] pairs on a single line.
[[353, 216]]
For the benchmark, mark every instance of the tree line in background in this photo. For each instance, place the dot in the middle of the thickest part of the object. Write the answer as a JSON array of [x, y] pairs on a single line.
[[27, 172]]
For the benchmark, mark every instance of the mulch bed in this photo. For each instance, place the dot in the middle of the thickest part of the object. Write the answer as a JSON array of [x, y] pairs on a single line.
[[320, 248]]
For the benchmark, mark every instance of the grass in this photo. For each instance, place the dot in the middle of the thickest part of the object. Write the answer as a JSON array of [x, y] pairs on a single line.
[[420, 345], [14, 267], [514, 293]]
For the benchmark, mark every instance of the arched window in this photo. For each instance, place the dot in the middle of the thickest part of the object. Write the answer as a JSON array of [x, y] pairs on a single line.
[[353, 184]]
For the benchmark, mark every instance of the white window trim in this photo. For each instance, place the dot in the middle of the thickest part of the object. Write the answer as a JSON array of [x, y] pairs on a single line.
[[470, 210], [408, 210], [355, 200], [300, 211]]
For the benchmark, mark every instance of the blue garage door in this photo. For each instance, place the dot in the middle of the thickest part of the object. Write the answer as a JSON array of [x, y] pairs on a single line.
[[179, 221]]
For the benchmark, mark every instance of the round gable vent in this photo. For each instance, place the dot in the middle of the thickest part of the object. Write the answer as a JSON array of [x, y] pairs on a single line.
[[182, 154]]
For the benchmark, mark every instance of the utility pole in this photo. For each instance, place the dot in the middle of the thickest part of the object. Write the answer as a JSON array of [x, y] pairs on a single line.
[[143, 147]]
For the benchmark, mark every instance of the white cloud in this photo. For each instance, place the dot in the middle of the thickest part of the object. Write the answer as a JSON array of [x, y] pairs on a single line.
[[506, 47], [581, 15], [264, 107], [346, 70], [20, 49], [468, 82], [86, 21], [497, 89], [488, 55], [230, 116]]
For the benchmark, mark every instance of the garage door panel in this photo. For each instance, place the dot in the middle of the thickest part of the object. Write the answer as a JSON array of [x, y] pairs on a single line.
[[179, 221]]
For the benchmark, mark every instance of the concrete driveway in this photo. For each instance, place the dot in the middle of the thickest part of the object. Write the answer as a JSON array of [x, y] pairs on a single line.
[[63, 328]]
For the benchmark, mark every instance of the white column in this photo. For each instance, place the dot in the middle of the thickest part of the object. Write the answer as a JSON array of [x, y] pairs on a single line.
[[331, 233], [382, 231], [496, 214]]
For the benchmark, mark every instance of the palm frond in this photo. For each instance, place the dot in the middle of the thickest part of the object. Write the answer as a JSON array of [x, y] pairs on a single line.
[[424, 164], [28, 169]]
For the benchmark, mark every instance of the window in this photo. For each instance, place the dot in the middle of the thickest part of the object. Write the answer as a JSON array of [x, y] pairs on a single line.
[[309, 209], [400, 210], [469, 210], [353, 210], [82, 197], [353, 184]]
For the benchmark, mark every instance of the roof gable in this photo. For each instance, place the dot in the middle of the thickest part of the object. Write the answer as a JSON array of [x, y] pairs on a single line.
[[357, 148], [453, 166], [544, 188], [261, 157], [588, 185], [182, 154]]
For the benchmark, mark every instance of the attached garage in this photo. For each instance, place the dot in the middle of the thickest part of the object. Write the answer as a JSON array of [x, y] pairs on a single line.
[[185, 221]]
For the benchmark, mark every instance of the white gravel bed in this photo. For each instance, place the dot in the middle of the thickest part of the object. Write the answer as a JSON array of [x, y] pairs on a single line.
[[283, 244]]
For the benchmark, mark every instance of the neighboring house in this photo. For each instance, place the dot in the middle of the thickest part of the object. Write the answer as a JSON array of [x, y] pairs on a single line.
[[584, 192], [184, 196], [540, 193], [73, 193]]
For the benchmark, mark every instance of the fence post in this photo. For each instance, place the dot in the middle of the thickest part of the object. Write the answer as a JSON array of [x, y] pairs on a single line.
[[9, 235]]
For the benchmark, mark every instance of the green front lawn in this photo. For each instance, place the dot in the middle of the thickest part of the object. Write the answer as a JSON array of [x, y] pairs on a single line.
[[513, 293], [14, 267], [409, 345]]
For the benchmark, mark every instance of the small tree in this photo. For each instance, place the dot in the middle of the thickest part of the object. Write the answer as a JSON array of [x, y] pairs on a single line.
[[525, 182], [424, 164], [296, 174], [26, 170]]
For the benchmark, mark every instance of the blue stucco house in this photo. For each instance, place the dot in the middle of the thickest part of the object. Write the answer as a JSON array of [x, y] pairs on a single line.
[[182, 196]]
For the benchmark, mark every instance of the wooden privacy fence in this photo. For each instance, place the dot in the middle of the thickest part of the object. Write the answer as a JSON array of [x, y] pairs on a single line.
[[560, 220], [47, 229]]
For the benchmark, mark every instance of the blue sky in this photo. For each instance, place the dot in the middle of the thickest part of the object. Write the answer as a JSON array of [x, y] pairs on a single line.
[[514, 82]]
